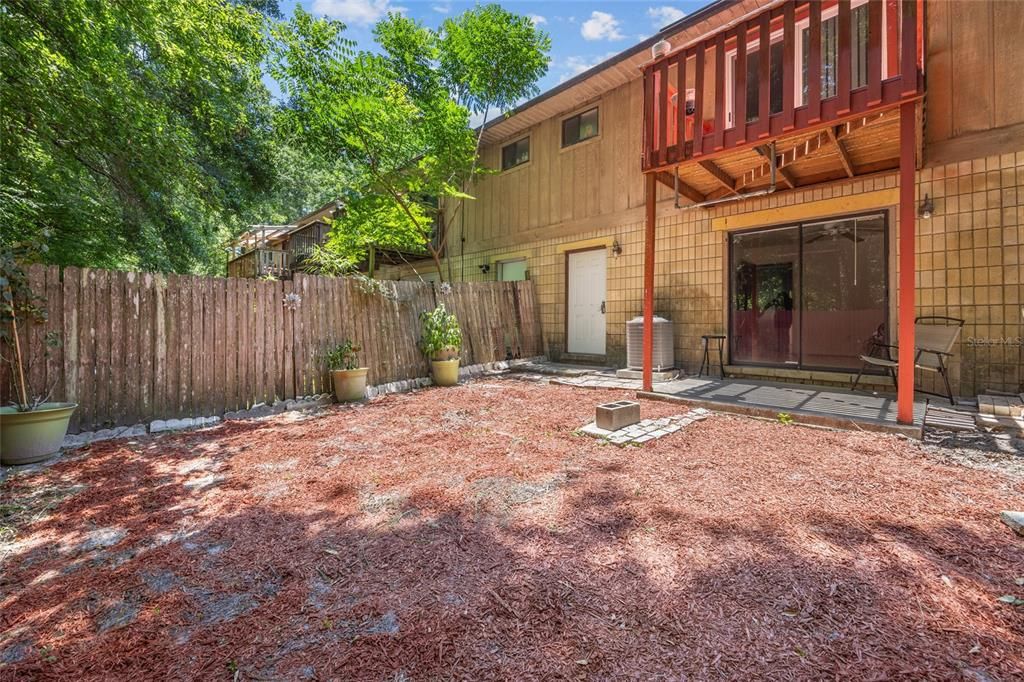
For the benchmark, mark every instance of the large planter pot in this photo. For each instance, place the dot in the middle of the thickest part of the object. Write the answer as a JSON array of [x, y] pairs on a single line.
[[27, 437], [349, 384], [446, 372], [448, 353]]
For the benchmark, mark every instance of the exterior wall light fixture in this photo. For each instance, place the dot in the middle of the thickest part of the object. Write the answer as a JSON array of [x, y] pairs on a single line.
[[927, 208], [616, 248]]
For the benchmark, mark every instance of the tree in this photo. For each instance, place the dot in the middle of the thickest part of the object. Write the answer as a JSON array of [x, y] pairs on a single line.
[[136, 133], [401, 119]]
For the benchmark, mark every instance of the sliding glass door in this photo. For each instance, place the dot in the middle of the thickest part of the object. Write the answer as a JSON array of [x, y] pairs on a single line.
[[808, 295]]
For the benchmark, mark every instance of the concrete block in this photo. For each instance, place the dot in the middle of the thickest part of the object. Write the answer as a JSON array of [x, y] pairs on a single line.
[[617, 415]]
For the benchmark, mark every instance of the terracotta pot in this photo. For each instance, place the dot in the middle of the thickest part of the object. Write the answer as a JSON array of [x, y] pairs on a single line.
[[349, 384], [27, 437], [446, 372]]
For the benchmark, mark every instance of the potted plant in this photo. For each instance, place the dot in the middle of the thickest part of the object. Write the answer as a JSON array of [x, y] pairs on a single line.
[[441, 341], [31, 429], [349, 377]]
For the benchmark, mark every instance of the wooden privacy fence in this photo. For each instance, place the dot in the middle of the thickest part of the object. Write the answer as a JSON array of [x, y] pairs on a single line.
[[132, 347]]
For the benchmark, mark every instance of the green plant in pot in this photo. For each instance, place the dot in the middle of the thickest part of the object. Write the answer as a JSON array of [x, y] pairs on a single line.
[[349, 378], [441, 341], [32, 428]]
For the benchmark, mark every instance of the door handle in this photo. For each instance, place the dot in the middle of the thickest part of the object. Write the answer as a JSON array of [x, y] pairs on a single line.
[[602, 307]]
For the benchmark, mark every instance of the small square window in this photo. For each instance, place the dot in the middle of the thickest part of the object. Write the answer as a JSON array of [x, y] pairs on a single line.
[[579, 127], [515, 154], [512, 270]]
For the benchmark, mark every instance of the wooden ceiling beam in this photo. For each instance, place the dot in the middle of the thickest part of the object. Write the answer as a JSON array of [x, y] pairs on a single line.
[[783, 172], [691, 193], [720, 176], [784, 159], [844, 156]]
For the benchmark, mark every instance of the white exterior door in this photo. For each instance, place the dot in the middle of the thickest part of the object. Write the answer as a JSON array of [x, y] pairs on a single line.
[[586, 321]]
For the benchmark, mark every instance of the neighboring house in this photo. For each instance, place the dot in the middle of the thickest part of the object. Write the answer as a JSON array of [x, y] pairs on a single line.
[[279, 250], [591, 173]]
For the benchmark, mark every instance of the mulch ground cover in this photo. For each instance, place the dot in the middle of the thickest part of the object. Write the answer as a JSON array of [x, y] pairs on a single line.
[[468, 533]]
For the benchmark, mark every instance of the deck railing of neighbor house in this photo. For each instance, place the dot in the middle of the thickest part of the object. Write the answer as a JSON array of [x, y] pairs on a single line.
[[866, 54], [260, 262]]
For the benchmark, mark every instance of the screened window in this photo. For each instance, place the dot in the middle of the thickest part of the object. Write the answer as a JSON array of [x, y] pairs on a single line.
[[515, 154], [579, 127]]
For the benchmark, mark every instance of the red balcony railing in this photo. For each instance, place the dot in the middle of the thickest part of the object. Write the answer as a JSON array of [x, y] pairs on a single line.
[[725, 91]]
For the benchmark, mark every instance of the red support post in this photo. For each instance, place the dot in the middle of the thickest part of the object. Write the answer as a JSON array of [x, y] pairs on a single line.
[[652, 216], [908, 216]]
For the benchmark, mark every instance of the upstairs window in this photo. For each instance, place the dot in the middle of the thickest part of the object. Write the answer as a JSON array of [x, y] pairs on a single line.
[[580, 127], [515, 154]]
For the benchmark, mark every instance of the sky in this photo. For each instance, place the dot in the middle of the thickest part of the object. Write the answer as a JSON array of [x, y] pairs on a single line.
[[583, 33]]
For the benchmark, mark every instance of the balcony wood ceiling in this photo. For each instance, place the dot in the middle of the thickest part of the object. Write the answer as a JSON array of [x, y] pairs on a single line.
[[864, 145]]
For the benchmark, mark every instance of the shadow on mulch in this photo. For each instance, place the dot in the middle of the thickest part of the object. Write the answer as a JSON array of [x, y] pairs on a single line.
[[575, 571]]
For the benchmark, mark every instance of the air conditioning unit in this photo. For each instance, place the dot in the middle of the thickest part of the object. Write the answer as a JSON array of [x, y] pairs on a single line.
[[663, 357]]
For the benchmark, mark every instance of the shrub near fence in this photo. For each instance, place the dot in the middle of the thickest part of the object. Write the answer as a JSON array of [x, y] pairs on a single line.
[[132, 347]]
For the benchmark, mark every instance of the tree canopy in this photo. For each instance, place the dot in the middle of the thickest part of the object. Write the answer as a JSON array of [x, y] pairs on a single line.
[[400, 119], [141, 134], [132, 131]]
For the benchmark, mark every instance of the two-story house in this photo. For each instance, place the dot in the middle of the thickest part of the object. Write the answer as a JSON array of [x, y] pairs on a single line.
[[801, 177]]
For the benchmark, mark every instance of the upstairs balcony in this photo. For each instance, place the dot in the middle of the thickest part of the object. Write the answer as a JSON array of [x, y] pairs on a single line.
[[712, 108]]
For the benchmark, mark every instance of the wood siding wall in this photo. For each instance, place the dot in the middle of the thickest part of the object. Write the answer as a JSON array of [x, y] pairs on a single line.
[[973, 64], [598, 177], [133, 347], [973, 67]]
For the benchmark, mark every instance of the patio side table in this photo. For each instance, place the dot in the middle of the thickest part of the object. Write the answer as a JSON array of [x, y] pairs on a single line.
[[706, 362]]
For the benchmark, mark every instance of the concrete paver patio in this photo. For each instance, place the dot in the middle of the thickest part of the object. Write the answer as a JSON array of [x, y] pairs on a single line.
[[826, 406]]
